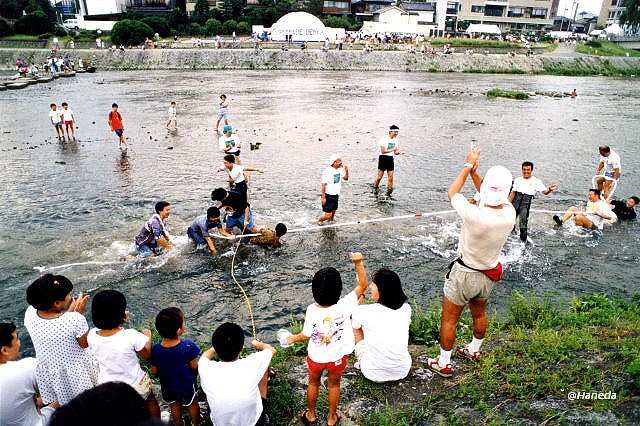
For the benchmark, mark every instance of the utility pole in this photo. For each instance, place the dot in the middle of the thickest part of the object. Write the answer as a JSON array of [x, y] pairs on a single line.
[[575, 12]]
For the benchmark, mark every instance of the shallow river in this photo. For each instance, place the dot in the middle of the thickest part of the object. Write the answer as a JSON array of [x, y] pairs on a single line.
[[83, 202]]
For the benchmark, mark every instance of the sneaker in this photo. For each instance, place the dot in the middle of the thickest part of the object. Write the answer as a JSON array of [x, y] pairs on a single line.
[[201, 246], [557, 220], [464, 352], [446, 371]]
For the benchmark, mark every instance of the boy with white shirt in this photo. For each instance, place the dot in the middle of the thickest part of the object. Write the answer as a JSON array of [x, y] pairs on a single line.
[[117, 349], [172, 124], [223, 110], [388, 146], [597, 212], [18, 390], [327, 327], [229, 142], [330, 186], [236, 388], [68, 119], [236, 173], [522, 193], [56, 120], [611, 168]]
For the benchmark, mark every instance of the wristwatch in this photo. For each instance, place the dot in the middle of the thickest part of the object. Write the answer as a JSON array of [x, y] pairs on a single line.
[[469, 165]]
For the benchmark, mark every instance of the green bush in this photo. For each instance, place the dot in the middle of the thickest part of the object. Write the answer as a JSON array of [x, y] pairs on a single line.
[[341, 22], [195, 29], [45, 36], [594, 43], [509, 94], [60, 31], [229, 26], [634, 370], [5, 28], [213, 27], [130, 32], [158, 24], [244, 28], [33, 23]]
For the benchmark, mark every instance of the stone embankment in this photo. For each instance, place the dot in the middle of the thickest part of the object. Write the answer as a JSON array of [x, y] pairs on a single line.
[[272, 59]]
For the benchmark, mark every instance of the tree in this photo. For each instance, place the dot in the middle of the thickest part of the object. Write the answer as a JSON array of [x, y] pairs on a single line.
[[244, 28], [631, 15], [178, 19], [5, 28], [195, 29], [130, 32], [43, 6], [11, 9], [314, 7], [234, 9], [213, 27], [34, 23], [229, 26], [200, 12], [158, 25]]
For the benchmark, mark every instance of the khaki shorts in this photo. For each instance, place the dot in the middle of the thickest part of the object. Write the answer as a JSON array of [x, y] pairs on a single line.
[[465, 284], [144, 387]]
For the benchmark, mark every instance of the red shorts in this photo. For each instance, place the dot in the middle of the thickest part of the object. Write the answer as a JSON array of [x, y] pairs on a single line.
[[68, 123], [332, 367]]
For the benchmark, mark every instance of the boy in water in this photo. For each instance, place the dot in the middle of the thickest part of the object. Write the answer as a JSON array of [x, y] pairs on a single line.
[[269, 237], [68, 119], [229, 142], [117, 125], [223, 111], [172, 113], [56, 120], [153, 233], [235, 172], [198, 232]]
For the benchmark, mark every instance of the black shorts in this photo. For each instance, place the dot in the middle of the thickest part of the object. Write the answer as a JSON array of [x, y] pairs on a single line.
[[385, 163], [185, 397], [331, 205]]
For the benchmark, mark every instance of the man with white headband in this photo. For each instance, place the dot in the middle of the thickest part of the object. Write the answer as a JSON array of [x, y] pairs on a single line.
[[471, 277], [330, 186]]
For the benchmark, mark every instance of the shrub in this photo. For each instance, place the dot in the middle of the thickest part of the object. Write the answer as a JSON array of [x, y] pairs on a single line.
[[213, 27], [5, 28], [158, 25], [130, 32], [195, 29], [45, 36], [594, 43], [60, 31], [509, 94], [33, 23], [244, 28], [229, 26]]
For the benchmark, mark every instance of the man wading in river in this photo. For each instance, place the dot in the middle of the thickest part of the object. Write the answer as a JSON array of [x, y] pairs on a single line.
[[388, 148], [471, 277]]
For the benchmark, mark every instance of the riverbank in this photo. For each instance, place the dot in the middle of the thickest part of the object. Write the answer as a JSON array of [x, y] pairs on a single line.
[[243, 59]]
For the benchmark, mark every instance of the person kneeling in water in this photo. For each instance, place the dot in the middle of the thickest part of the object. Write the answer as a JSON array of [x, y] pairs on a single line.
[[625, 210], [198, 232], [593, 218], [269, 237], [153, 233]]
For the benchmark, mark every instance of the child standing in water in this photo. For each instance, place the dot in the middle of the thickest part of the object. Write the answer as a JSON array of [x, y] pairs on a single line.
[[56, 120], [172, 113], [117, 125], [223, 111], [69, 120]]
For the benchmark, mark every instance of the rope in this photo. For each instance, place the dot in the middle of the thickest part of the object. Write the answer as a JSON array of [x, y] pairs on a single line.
[[244, 293]]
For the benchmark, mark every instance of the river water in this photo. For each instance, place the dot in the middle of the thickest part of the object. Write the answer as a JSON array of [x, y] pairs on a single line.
[[65, 203]]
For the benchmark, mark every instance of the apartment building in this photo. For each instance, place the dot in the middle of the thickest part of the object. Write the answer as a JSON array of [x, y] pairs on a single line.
[[509, 15], [610, 12]]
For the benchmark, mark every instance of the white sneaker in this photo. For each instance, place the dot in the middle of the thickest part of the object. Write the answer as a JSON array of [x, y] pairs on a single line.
[[201, 246]]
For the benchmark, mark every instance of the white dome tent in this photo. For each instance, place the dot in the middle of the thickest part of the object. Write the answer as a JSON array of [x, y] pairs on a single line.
[[302, 25]]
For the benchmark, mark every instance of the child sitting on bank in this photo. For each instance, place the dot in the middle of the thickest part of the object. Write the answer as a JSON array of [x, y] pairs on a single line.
[[236, 388], [327, 326], [117, 349], [175, 361], [58, 331]]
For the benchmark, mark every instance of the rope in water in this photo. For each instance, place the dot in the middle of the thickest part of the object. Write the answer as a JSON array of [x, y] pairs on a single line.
[[244, 293]]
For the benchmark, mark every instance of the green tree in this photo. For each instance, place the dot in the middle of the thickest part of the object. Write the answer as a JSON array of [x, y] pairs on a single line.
[[130, 32], [631, 15], [213, 27], [5, 28], [229, 26], [233, 9], [33, 23], [200, 12], [244, 28], [11, 9], [178, 19], [158, 25], [314, 7], [195, 29]]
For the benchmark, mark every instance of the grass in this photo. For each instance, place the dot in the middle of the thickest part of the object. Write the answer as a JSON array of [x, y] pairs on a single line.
[[476, 42], [20, 37], [605, 48], [509, 94]]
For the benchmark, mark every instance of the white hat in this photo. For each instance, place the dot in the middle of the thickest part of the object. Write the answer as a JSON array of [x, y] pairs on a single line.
[[333, 159], [495, 187]]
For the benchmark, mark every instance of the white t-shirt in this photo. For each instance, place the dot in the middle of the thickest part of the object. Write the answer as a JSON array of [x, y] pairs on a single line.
[[484, 232], [231, 142], [117, 355], [329, 329], [333, 178], [236, 174], [598, 207], [528, 186], [388, 143], [385, 355], [610, 163], [66, 114], [172, 113], [232, 388], [17, 389], [55, 116]]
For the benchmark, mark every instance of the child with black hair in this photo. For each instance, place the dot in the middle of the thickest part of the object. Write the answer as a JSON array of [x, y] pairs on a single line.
[[18, 390], [327, 326], [269, 237], [382, 330], [236, 388], [58, 331], [175, 361], [153, 237], [117, 349]]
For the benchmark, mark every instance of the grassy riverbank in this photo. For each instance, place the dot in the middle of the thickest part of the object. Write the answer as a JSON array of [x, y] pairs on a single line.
[[533, 358], [605, 48], [509, 94]]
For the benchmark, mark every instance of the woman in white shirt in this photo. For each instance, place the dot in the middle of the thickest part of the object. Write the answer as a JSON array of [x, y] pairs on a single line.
[[382, 330]]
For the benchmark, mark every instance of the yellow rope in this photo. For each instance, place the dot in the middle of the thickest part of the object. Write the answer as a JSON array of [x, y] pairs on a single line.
[[244, 293]]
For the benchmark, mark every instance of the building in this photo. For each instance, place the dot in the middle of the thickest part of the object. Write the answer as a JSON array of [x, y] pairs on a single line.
[[150, 7], [102, 7], [509, 15], [610, 12], [405, 18], [191, 5], [363, 9], [336, 7]]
